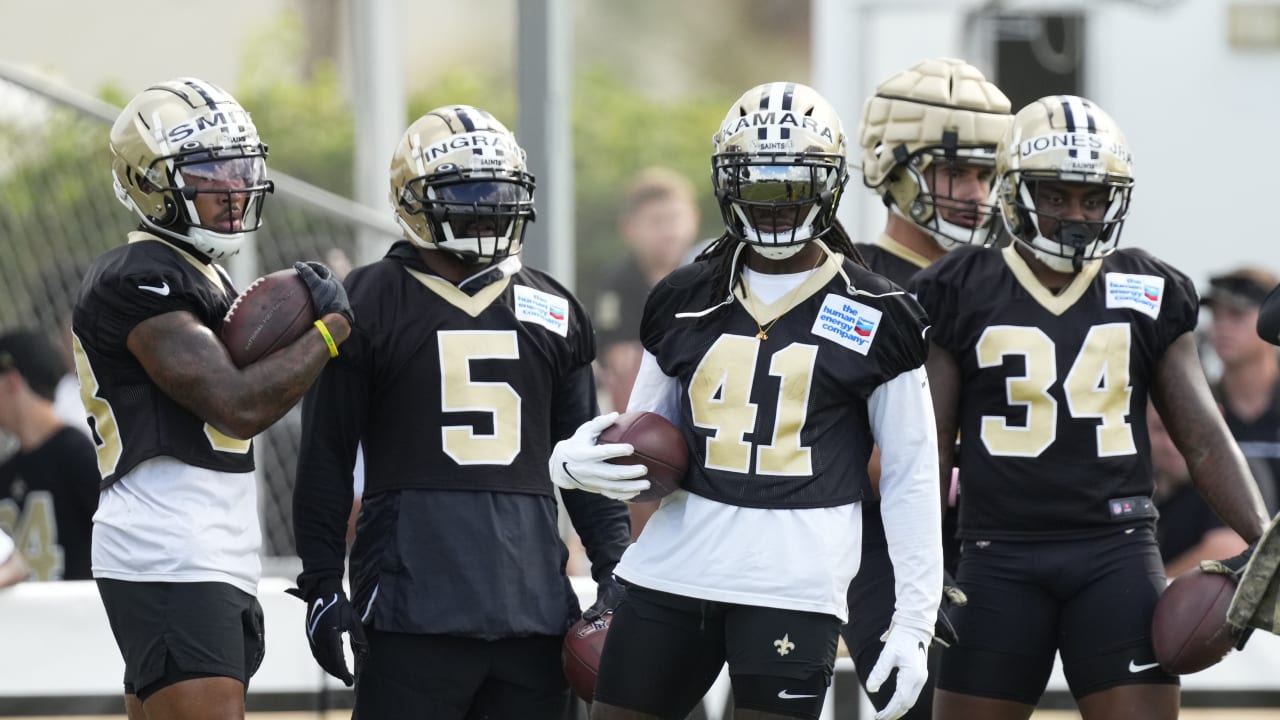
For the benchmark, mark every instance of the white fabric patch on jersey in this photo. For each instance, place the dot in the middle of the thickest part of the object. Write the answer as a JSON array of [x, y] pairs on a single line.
[[541, 308], [847, 322], [1143, 293]]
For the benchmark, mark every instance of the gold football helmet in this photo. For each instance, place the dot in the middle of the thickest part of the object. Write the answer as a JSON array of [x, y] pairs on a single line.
[[459, 183], [1064, 139], [188, 160], [937, 111], [779, 167]]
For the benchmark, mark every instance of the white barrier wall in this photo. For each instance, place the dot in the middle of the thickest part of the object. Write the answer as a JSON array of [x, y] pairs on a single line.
[[57, 647]]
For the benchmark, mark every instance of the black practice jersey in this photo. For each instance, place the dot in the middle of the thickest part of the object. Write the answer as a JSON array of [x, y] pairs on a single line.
[[781, 421], [463, 385], [47, 498], [1054, 387], [131, 417], [892, 259], [456, 400]]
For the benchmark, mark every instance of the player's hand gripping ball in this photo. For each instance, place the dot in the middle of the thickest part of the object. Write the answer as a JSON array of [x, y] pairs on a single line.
[[270, 314], [658, 445]]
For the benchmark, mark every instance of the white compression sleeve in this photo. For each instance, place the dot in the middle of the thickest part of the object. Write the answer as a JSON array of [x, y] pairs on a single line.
[[902, 420], [655, 391]]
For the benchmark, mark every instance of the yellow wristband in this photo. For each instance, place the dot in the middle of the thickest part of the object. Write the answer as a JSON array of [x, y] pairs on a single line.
[[328, 339]]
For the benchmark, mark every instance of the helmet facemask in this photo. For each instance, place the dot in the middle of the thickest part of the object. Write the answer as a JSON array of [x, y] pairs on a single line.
[[460, 183], [218, 199], [928, 205], [1076, 237], [478, 215], [777, 202], [1065, 178]]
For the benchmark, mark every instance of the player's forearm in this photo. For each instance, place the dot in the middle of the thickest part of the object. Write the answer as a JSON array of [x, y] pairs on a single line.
[[271, 386], [944, 386], [1222, 476], [333, 414], [1181, 396], [188, 362], [902, 418], [604, 526]]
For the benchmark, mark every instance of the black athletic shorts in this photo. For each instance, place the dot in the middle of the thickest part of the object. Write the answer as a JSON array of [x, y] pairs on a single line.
[[170, 632], [455, 678], [664, 651], [1090, 600]]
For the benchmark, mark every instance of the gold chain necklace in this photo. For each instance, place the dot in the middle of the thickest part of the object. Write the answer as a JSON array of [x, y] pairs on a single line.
[[762, 331]]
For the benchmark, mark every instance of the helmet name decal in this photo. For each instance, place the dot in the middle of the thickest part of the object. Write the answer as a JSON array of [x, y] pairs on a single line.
[[785, 120], [1074, 141], [235, 125], [495, 144]]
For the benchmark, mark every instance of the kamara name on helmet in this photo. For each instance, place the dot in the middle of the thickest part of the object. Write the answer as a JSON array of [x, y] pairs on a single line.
[[773, 118]]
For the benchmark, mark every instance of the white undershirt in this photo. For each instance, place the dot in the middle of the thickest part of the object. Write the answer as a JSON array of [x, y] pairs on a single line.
[[167, 521], [801, 559]]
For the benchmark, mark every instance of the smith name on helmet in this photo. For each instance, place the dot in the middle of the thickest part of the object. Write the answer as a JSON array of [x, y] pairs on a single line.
[[234, 124]]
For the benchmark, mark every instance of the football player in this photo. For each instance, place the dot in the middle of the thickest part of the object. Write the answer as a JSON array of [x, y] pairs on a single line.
[[783, 360], [176, 534], [928, 139], [469, 369], [1043, 357]]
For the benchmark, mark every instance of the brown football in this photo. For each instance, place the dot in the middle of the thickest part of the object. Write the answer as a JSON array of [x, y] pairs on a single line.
[[272, 312], [658, 445], [1189, 628], [583, 646]]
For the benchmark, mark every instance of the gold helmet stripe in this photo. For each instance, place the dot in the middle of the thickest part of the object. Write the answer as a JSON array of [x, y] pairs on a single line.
[[1073, 107]]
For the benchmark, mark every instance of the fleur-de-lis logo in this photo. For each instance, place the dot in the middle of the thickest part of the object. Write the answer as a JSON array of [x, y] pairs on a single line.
[[784, 645]]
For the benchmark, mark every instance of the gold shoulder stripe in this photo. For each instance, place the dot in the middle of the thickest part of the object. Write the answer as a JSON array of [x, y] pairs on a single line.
[[1054, 303], [897, 249], [811, 285], [205, 269], [472, 305]]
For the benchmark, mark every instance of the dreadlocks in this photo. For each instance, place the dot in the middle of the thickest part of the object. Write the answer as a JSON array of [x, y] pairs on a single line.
[[721, 252]]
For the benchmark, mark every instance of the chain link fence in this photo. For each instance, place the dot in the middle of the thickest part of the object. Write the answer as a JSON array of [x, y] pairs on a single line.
[[58, 212]]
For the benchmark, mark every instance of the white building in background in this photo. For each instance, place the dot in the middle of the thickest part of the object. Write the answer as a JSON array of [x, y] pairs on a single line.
[[1193, 84]]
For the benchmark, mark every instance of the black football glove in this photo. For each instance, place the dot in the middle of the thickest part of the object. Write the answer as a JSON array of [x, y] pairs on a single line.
[[944, 631], [329, 615], [609, 594], [327, 293], [1232, 567]]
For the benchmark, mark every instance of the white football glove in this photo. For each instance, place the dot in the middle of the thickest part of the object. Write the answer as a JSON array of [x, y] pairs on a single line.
[[578, 463], [905, 649]]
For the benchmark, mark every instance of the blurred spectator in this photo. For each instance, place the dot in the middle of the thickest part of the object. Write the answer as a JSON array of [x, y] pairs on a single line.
[[13, 569], [1188, 530], [1248, 388], [49, 489], [659, 222]]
